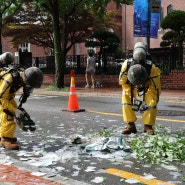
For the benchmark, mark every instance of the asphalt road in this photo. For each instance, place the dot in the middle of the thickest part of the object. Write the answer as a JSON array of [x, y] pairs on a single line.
[[49, 151]]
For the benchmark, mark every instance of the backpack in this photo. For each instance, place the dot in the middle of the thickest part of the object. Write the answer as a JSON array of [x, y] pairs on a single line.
[[147, 65], [16, 83]]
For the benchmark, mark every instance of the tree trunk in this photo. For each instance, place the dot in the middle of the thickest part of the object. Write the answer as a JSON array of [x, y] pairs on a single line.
[[59, 72]]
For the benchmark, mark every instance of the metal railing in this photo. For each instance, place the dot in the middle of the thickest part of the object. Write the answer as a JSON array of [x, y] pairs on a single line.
[[165, 58]]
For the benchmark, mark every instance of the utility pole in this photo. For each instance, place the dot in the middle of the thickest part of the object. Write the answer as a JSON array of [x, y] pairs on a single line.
[[149, 21]]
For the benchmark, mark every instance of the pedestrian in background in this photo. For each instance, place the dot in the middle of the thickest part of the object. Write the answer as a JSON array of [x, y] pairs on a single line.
[[90, 70], [140, 80]]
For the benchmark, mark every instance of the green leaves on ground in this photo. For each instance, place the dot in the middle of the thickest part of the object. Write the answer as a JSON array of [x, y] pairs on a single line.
[[159, 148]]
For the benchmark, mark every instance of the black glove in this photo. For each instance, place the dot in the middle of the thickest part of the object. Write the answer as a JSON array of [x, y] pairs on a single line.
[[143, 108], [26, 94], [27, 90], [23, 98]]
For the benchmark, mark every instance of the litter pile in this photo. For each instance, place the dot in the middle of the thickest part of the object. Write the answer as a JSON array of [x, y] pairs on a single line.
[[104, 144]]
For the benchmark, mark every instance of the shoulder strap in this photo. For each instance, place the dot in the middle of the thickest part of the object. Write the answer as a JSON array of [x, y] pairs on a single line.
[[129, 63], [148, 66], [16, 83]]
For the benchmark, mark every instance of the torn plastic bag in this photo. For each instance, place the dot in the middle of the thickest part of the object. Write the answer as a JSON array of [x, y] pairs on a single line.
[[109, 144]]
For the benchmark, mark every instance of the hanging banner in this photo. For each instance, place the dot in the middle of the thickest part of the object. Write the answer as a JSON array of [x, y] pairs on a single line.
[[154, 25], [155, 9], [141, 18]]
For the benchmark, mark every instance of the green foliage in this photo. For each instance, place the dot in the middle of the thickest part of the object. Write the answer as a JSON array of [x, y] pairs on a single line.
[[174, 26], [168, 35], [32, 24], [54, 88], [104, 133], [175, 22], [119, 53], [7, 9], [183, 179], [159, 148], [106, 40], [165, 43]]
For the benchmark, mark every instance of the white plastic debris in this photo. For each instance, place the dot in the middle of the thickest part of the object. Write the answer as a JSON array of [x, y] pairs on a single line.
[[98, 180], [111, 144], [38, 173]]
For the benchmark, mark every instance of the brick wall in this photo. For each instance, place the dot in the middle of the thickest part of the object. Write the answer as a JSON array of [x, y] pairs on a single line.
[[107, 80], [175, 80]]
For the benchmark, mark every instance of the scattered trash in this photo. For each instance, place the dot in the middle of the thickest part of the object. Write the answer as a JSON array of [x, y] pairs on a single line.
[[109, 144], [131, 181], [169, 167], [38, 173], [98, 180], [148, 176], [90, 169], [77, 139], [118, 143], [97, 146]]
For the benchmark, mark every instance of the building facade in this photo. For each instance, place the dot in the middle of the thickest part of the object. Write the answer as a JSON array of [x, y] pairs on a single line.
[[125, 31], [128, 40]]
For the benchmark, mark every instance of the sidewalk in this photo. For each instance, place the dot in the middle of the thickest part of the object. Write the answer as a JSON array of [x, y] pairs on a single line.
[[11, 175], [110, 92]]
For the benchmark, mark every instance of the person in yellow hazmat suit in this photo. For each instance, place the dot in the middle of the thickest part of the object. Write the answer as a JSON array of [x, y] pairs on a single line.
[[11, 81], [140, 81]]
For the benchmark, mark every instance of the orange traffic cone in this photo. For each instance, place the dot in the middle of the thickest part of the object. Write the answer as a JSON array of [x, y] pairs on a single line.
[[73, 100]]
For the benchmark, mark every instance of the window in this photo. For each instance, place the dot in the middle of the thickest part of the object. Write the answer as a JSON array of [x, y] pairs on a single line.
[[91, 48], [169, 9], [25, 47]]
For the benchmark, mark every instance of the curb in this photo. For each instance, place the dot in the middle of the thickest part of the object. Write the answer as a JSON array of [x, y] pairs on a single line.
[[178, 96], [80, 93]]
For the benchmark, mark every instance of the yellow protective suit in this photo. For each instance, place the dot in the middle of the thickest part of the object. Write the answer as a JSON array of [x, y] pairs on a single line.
[[8, 126], [151, 96]]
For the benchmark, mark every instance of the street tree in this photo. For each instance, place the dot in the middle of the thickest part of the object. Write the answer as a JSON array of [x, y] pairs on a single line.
[[7, 9], [64, 9], [174, 26], [30, 25], [107, 42]]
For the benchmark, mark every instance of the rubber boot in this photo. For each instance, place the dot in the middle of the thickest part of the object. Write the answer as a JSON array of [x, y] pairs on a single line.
[[148, 129], [131, 128], [9, 143], [14, 139]]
